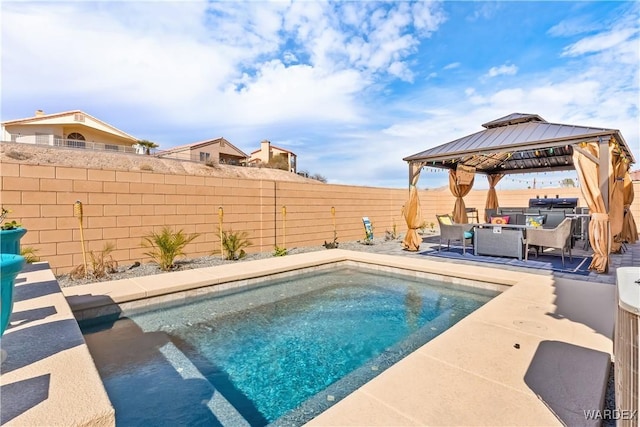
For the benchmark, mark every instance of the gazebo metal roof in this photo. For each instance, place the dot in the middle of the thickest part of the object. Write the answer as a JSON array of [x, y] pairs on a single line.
[[517, 143]]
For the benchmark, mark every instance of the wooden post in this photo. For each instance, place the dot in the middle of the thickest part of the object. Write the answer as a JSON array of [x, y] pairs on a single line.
[[220, 216], [77, 212], [284, 227], [603, 170]]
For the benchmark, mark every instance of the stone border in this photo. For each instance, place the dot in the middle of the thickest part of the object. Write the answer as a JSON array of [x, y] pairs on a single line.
[[473, 374]]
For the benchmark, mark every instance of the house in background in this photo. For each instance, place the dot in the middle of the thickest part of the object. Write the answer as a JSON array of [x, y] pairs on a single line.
[[217, 150], [270, 153], [73, 129]]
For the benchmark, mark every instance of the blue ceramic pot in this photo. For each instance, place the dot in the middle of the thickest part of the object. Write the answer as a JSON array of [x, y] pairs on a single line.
[[10, 266], [10, 240]]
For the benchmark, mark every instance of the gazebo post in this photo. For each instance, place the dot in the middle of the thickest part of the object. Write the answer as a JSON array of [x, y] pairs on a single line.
[[411, 210], [604, 169]]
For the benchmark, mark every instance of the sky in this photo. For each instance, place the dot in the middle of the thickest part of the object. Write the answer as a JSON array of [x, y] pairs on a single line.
[[351, 87]]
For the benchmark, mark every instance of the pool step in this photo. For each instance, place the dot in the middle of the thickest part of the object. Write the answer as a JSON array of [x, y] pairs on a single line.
[[220, 407]]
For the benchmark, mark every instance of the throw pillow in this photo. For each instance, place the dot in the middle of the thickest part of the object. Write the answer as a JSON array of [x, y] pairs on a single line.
[[468, 234], [446, 220], [535, 221], [500, 220]]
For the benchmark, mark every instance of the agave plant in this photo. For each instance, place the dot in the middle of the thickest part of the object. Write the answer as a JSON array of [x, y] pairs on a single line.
[[234, 243], [166, 246]]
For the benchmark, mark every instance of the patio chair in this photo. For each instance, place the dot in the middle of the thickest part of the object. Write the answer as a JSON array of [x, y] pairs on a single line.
[[554, 217], [557, 238], [451, 231]]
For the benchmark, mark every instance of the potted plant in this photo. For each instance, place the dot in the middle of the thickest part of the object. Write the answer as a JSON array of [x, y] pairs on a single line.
[[10, 266], [10, 234]]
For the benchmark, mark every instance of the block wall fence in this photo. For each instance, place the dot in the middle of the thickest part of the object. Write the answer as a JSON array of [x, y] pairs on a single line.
[[121, 207]]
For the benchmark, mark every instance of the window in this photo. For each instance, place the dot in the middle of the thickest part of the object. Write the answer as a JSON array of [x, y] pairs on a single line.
[[78, 117], [42, 138], [75, 135], [204, 156], [76, 140]]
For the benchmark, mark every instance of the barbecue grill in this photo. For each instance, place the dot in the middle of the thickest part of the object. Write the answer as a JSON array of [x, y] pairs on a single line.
[[554, 203]]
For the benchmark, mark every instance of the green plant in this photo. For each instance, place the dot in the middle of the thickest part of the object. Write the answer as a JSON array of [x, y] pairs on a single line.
[[234, 243], [334, 244], [393, 234], [102, 263], [166, 246], [8, 225], [279, 251], [29, 254], [147, 146], [278, 162]]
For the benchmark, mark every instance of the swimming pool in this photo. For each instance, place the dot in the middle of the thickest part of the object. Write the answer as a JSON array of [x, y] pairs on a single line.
[[279, 353]]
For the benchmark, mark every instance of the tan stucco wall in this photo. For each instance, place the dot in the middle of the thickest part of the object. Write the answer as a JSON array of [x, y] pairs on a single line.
[[121, 207]]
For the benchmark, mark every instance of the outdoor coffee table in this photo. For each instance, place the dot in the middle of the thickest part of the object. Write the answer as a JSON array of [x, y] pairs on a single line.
[[505, 240]]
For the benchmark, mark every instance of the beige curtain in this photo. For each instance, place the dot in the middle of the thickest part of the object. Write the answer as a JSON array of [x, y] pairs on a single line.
[[629, 232], [616, 200], [413, 217], [459, 191], [492, 196], [411, 210], [599, 236]]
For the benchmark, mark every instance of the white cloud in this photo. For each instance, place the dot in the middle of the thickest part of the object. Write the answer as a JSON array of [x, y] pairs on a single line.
[[203, 62], [599, 42], [508, 70], [310, 75], [293, 93], [573, 26]]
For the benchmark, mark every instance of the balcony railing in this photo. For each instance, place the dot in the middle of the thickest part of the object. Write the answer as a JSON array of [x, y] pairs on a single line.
[[51, 140]]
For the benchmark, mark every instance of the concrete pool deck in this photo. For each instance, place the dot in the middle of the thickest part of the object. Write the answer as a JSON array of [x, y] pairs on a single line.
[[538, 354]]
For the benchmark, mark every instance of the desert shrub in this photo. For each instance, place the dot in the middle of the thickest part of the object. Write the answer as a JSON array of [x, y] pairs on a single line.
[[212, 163], [278, 251], [29, 254], [166, 245], [17, 155], [102, 263], [334, 243], [146, 167], [278, 162], [393, 234], [318, 177], [234, 243]]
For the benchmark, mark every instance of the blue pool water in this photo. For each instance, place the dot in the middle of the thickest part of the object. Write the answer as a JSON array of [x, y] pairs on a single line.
[[277, 354]]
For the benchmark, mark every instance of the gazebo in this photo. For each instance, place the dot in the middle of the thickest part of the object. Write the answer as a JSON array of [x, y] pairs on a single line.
[[525, 143]]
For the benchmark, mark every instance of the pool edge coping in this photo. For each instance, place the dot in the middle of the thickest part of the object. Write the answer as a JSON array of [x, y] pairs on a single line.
[[524, 298]]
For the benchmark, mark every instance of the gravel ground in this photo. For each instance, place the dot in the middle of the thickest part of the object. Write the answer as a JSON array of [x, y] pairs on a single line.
[[125, 271]]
